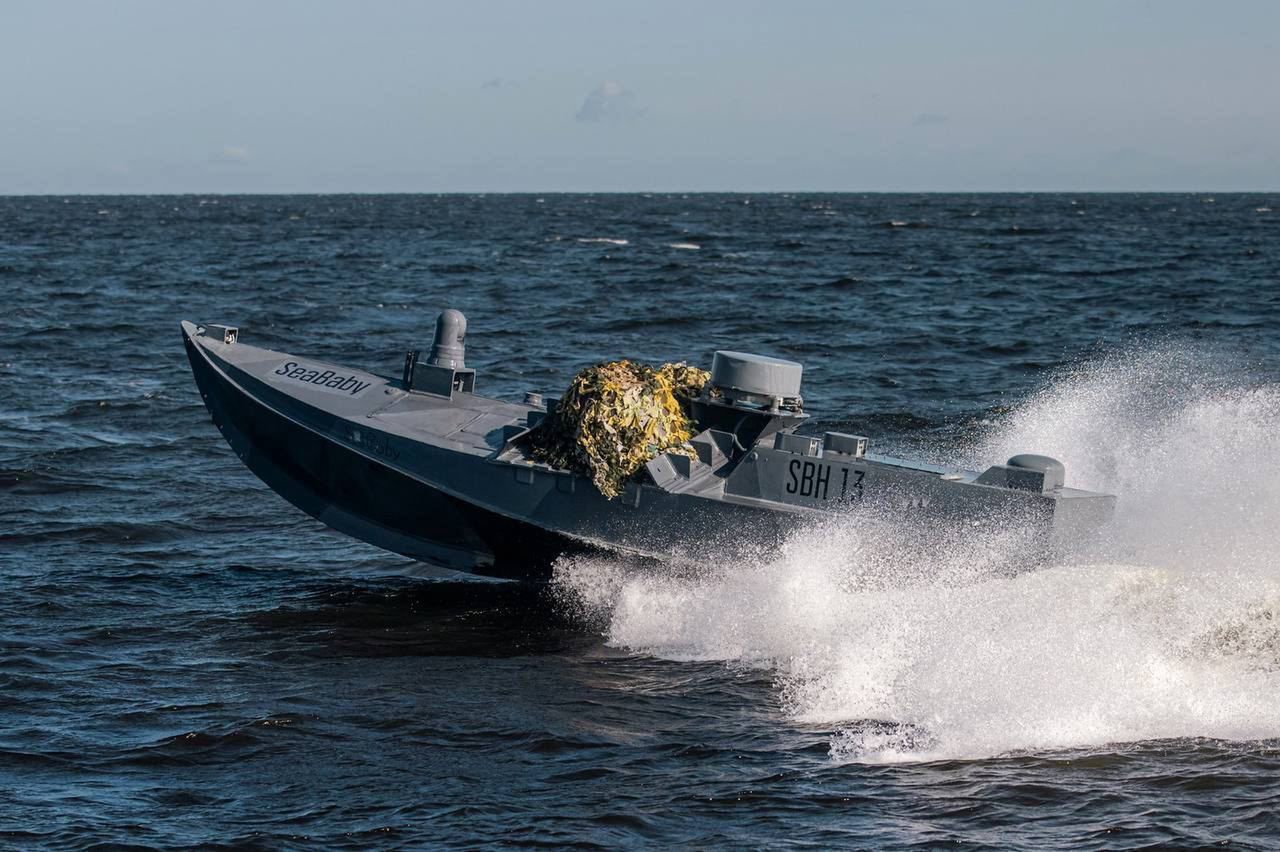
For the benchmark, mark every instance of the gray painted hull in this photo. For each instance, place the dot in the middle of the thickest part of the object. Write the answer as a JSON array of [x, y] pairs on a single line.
[[441, 478]]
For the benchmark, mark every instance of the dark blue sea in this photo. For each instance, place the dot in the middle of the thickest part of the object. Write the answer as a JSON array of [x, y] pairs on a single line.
[[187, 660]]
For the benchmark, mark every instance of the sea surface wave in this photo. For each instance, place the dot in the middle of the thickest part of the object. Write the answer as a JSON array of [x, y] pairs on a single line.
[[186, 660]]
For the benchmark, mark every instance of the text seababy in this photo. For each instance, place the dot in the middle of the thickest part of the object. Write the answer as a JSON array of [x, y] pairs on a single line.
[[324, 378]]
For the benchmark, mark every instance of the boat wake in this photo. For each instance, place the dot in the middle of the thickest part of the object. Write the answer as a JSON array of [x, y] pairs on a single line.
[[912, 644]]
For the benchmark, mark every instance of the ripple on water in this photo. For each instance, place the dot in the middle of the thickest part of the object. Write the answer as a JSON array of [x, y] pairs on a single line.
[[187, 661]]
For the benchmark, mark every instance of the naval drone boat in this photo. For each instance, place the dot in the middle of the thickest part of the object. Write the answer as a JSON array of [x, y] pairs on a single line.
[[422, 465]]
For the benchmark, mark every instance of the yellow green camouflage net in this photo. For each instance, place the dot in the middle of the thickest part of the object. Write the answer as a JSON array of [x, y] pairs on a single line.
[[617, 416]]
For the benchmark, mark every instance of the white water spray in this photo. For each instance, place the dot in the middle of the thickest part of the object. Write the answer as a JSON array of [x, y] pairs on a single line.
[[911, 647]]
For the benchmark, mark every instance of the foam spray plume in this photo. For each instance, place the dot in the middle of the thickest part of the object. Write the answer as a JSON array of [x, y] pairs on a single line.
[[910, 645]]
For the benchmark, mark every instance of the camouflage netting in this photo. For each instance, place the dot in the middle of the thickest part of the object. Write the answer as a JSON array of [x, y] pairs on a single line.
[[615, 417]]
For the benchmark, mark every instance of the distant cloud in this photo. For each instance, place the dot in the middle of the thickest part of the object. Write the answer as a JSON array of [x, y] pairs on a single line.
[[609, 102], [930, 119], [231, 154]]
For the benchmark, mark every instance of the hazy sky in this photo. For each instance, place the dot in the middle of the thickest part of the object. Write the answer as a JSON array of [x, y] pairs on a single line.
[[374, 96]]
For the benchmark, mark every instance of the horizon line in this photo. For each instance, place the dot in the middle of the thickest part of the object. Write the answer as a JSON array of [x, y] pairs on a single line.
[[187, 193]]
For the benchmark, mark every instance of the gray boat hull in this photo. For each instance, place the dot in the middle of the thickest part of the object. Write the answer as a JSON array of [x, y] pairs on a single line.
[[441, 477]]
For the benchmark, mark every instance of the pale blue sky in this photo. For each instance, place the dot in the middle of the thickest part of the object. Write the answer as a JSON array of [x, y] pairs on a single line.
[[539, 96]]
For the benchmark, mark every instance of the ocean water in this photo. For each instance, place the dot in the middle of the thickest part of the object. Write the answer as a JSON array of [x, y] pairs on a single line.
[[187, 660]]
